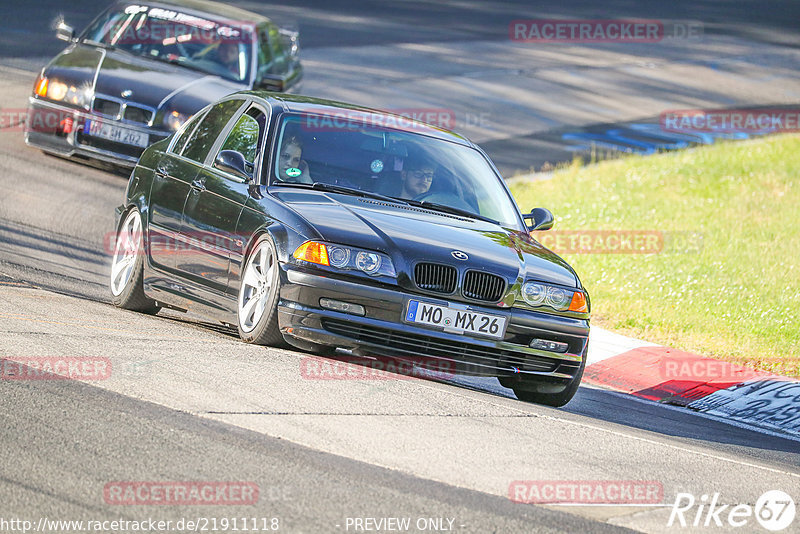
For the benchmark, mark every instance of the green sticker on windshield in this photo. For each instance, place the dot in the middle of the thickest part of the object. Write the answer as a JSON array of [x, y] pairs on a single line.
[[293, 172]]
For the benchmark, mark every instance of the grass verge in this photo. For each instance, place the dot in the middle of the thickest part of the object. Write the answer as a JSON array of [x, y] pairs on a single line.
[[727, 282]]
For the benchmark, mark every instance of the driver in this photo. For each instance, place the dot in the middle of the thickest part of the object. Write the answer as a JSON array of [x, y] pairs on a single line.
[[228, 54], [417, 177], [291, 167]]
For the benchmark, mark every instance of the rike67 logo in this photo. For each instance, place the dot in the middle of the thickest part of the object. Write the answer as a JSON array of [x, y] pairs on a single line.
[[774, 510]]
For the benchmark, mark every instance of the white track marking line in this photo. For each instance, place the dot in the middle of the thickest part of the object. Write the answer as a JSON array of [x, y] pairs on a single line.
[[637, 438]]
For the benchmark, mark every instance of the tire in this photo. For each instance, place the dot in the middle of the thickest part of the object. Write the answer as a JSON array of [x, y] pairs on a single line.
[[259, 291], [127, 267]]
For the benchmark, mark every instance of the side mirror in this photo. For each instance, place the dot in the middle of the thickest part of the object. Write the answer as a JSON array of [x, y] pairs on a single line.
[[65, 32], [541, 219], [290, 39], [270, 82], [233, 162]]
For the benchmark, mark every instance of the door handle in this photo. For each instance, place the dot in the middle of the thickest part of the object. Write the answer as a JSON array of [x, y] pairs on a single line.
[[199, 184]]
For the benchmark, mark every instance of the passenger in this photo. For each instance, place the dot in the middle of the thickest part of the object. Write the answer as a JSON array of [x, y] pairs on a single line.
[[291, 166]]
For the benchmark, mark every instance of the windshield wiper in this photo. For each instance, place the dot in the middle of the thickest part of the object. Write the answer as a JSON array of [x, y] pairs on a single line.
[[92, 42], [450, 209], [333, 188], [185, 63], [321, 186]]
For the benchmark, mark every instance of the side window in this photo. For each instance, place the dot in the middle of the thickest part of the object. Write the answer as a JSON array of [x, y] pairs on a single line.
[[208, 130], [243, 138], [188, 129], [246, 137]]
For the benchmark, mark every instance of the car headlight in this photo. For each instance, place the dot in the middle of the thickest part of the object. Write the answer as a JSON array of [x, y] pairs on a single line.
[[57, 90], [369, 262], [174, 120], [537, 294], [345, 258], [77, 95]]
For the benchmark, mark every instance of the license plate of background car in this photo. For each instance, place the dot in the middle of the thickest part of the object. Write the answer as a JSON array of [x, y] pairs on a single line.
[[118, 134], [458, 320]]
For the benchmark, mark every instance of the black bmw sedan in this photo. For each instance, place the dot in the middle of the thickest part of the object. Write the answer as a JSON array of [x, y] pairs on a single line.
[[326, 225], [141, 69]]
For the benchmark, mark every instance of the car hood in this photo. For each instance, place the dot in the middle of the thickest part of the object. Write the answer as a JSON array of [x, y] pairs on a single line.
[[424, 235], [156, 84]]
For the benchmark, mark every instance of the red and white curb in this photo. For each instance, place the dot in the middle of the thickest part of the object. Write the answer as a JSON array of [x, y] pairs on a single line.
[[706, 385]]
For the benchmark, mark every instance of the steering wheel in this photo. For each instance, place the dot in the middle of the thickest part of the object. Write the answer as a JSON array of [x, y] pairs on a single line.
[[200, 54]]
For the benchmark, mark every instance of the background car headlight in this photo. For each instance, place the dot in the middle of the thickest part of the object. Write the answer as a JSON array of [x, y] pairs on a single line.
[[345, 258], [537, 294], [77, 95], [174, 120], [57, 90]]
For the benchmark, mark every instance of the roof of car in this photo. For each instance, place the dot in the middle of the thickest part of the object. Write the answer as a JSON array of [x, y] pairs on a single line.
[[377, 117], [209, 8]]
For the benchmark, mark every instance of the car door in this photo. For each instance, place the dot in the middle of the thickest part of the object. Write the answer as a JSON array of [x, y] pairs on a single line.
[[213, 207], [171, 183]]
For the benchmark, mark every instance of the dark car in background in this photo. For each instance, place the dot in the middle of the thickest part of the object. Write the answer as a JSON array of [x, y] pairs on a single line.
[[324, 225], [141, 69]]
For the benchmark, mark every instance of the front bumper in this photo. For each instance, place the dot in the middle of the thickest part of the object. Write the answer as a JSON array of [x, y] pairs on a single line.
[[59, 129], [382, 331]]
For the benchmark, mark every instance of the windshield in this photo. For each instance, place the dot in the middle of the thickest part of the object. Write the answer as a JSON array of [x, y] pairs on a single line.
[[407, 165], [171, 36]]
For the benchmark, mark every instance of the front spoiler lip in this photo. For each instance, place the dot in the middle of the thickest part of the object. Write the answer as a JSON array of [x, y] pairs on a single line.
[[69, 146], [304, 322], [320, 335]]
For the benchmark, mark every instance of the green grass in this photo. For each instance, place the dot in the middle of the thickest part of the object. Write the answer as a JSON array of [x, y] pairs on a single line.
[[737, 298]]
